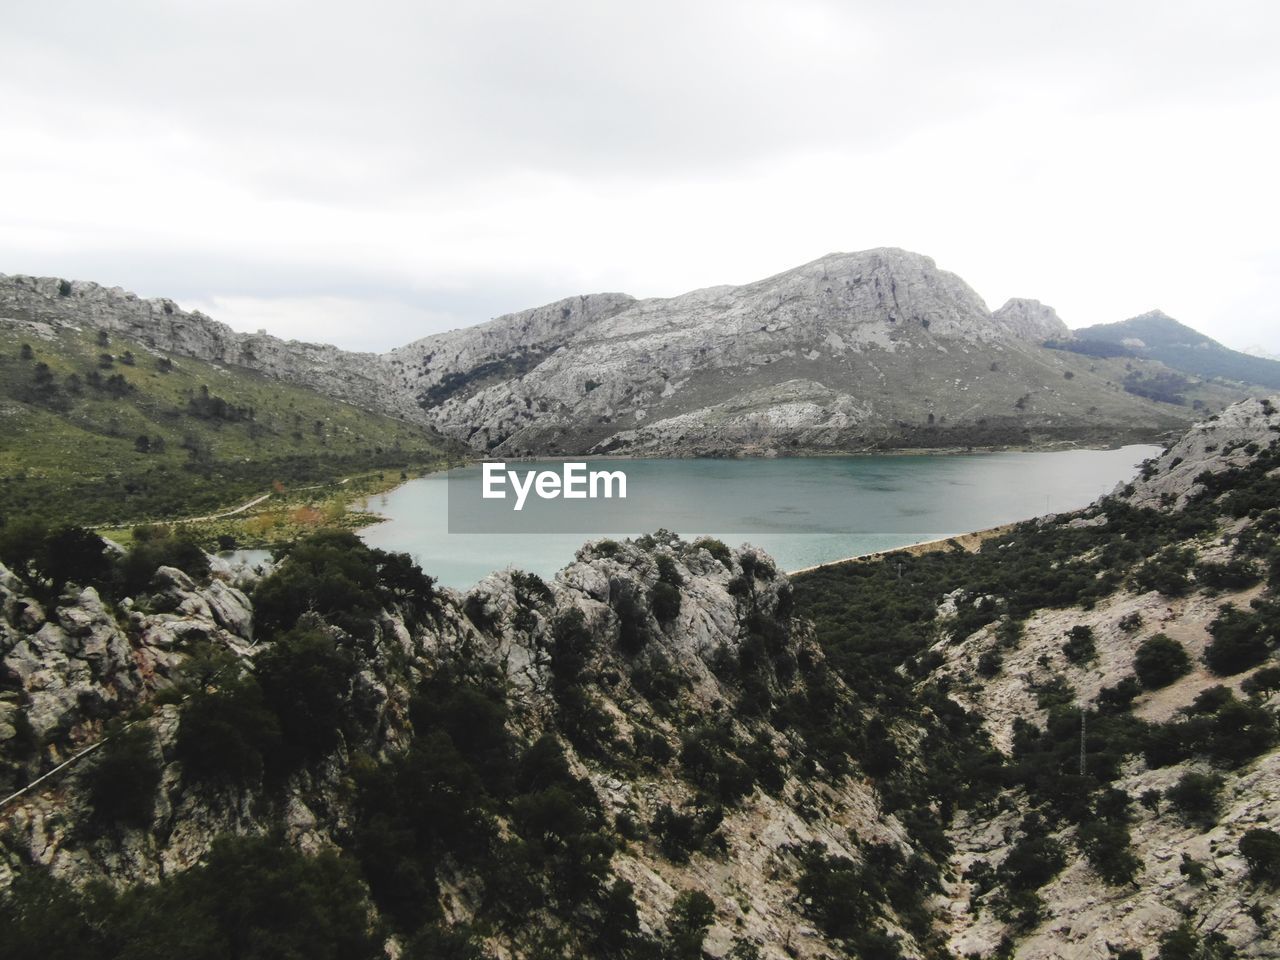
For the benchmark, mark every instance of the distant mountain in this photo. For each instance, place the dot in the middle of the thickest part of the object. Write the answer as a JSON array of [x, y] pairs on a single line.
[[1258, 350], [1158, 336], [854, 351]]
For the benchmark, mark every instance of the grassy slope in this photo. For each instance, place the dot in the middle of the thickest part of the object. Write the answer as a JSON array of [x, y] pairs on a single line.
[[73, 455]]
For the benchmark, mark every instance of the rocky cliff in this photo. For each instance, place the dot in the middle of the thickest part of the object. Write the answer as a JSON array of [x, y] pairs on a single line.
[[852, 351]]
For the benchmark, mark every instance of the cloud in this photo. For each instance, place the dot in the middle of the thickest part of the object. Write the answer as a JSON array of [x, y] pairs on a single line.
[[428, 163]]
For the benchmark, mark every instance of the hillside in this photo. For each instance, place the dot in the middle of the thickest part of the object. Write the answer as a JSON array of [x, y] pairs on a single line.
[[863, 351], [668, 751], [1157, 336], [102, 429]]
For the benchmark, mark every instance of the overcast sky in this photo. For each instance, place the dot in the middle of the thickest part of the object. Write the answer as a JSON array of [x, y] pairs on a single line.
[[367, 173]]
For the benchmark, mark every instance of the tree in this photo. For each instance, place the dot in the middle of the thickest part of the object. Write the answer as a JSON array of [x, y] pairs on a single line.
[[1159, 661], [305, 678], [1195, 796], [1239, 642], [122, 782], [1260, 848], [687, 926]]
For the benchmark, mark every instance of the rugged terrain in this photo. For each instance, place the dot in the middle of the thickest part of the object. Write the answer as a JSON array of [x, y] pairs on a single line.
[[872, 350], [1062, 745]]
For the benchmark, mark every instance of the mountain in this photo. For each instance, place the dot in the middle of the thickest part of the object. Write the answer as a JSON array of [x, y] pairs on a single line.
[[871, 350], [101, 428], [1158, 336], [1257, 350], [161, 325], [1062, 744], [878, 349]]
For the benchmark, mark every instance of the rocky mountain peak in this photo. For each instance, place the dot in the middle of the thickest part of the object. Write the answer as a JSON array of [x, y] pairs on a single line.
[[1031, 320]]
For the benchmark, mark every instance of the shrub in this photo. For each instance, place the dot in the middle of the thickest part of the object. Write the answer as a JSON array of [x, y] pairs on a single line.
[[1130, 622], [1264, 681], [1183, 942], [1120, 697], [335, 575], [666, 601], [687, 925], [253, 897], [1261, 850], [1195, 796], [1232, 575], [682, 834], [1159, 661], [123, 779], [1080, 646], [633, 627], [1034, 860], [304, 678], [75, 555], [1166, 572], [226, 736], [718, 549], [1239, 642], [148, 554], [990, 663], [668, 572], [1106, 844]]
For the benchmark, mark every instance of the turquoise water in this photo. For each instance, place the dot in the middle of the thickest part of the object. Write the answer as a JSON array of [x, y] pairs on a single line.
[[803, 511]]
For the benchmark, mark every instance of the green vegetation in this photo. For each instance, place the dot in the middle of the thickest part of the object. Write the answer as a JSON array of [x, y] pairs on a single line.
[[1195, 796], [121, 783], [1241, 640], [253, 898], [1260, 848], [51, 558], [1181, 348], [130, 435], [1159, 661]]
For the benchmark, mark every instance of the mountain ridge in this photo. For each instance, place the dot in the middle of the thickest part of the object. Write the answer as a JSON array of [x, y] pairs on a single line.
[[1157, 335], [876, 349]]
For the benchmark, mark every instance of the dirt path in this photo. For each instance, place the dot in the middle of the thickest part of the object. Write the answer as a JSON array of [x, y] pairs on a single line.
[[229, 513]]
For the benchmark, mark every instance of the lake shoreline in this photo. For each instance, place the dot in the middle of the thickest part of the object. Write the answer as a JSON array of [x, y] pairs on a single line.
[[969, 542]]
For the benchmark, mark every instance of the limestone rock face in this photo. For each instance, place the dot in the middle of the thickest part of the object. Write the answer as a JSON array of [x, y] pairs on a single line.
[[83, 661], [1220, 443], [854, 351], [850, 351], [1031, 320]]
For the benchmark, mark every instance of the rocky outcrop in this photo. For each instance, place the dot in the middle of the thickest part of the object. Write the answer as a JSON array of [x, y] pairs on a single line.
[[1031, 320], [84, 661], [1223, 442], [111, 660]]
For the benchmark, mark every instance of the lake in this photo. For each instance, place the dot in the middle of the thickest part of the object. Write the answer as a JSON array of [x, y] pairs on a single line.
[[802, 511]]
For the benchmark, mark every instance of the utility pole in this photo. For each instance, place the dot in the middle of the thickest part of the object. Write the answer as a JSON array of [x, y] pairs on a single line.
[[1082, 734]]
